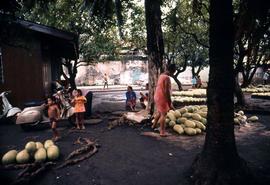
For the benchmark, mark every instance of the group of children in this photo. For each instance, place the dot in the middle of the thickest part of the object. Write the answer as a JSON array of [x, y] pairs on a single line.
[[78, 101]]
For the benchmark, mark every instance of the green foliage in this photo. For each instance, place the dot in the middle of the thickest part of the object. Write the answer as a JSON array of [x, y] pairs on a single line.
[[68, 15], [186, 34]]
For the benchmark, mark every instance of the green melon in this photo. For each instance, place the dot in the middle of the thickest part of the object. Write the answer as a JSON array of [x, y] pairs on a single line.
[[53, 152], [190, 124], [253, 118], [196, 116], [171, 116], [39, 145], [40, 155], [23, 157], [177, 114], [172, 123], [198, 131], [202, 114], [9, 157], [236, 121], [190, 131], [204, 121], [199, 125], [241, 113], [190, 109], [48, 143], [31, 147], [183, 110], [178, 128], [187, 115]]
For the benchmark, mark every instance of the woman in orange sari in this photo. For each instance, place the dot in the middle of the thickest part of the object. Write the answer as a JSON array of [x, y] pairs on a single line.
[[162, 98]]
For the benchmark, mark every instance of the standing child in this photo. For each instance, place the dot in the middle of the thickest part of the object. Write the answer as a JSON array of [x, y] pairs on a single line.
[[79, 101], [54, 115]]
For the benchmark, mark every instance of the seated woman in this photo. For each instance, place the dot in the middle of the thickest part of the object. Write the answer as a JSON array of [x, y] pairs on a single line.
[[131, 99]]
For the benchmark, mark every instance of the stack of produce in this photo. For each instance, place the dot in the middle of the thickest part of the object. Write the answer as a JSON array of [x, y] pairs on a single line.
[[190, 120], [33, 152], [241, 118], [191, 93], [180, 99], [192, 96], [262, 94], [259, 89]]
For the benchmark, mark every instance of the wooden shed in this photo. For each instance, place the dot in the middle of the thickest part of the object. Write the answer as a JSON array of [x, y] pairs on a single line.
[[30, 58]]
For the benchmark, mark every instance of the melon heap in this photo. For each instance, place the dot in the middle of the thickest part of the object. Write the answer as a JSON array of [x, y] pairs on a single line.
[[191, 120], [241, 118], [33, 152]]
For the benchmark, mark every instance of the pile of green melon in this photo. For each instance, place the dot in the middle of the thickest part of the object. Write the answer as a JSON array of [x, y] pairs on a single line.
[[241, 118], [189, 120], [33, 152]]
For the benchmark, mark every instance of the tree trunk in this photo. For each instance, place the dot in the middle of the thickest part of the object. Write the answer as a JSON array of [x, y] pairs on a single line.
[[178, 71], [219, 162], [119, 18], [155, 46], [72, 72], [179, 84]]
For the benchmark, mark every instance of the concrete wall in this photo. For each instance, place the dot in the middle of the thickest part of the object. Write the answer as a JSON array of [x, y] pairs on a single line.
[[126, 72], [119, 72]]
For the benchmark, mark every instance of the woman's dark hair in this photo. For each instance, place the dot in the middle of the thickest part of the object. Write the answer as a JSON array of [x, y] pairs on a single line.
[[172, 68], [129, 87], [79, 92]]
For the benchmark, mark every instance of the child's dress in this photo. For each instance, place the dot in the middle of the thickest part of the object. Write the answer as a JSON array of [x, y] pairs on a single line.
[[79, 104]]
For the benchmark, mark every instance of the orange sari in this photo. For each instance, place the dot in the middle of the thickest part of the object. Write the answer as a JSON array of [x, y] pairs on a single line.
[[160, 97]]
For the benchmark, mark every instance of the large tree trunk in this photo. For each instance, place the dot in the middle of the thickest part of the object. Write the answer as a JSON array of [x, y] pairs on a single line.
[[155, 46], [72, 72], [219, 162], [247, 79]]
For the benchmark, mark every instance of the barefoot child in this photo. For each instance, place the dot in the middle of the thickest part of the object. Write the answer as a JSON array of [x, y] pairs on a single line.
[[79, 101], [54, 115]]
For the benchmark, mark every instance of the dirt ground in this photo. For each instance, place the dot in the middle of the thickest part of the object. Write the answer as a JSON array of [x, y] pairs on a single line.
[[134, 155]]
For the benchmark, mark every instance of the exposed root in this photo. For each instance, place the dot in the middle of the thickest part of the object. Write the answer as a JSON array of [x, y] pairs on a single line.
[[89, 149], [18, 166], [31, 172]]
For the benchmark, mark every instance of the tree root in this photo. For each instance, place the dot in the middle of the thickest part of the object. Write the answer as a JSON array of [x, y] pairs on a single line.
[[18, 166], [86, 151], [32, 171]]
